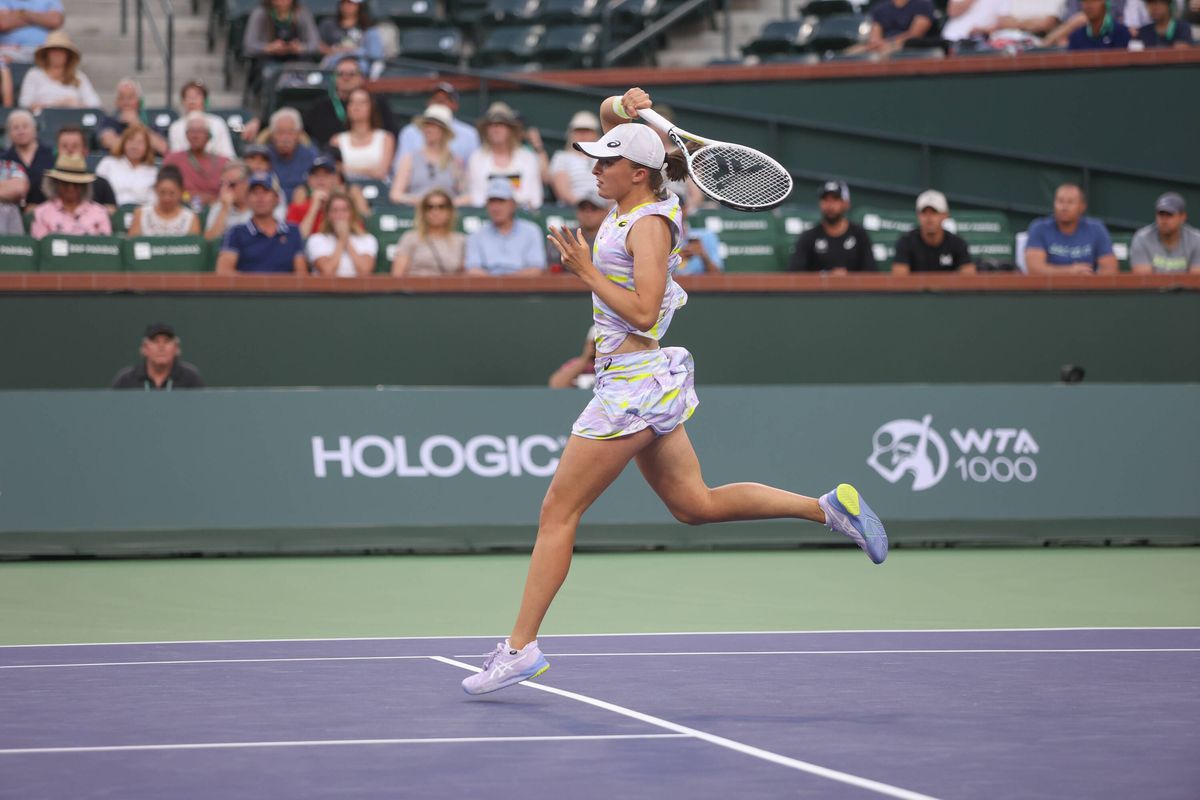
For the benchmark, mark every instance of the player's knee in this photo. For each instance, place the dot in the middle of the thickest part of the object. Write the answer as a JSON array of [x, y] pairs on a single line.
[[556, 512], [693, 512]]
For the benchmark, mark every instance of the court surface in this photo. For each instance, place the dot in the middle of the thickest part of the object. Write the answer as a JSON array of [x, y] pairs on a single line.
[[1017, 713]]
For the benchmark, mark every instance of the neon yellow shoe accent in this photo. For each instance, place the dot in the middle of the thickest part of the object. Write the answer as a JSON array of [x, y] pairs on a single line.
[[847, 495], [539, 672]]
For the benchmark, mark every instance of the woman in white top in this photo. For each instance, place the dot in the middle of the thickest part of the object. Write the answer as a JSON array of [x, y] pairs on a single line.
[[434, 166], [433, 247], [167, 216], [343, 248], [571, 170], [366, 147], [501, 155], [194, 97], [130, 169], [56, 81]]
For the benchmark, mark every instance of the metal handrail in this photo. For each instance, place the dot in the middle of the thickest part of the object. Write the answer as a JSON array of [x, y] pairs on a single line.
[[165, 48], [632, 43]]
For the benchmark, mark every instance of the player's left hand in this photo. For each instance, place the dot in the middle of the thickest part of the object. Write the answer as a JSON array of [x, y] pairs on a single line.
[[573, 248]]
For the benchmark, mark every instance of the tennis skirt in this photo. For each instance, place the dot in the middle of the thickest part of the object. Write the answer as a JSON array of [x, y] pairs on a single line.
[[644, 389]]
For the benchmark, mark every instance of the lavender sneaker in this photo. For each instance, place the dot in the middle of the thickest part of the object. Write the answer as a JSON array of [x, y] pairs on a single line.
[[505, 666], [847, 513]]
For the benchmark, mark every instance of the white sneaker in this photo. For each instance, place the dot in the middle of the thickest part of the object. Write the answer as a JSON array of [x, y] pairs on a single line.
[[847, 513], [505, 666]]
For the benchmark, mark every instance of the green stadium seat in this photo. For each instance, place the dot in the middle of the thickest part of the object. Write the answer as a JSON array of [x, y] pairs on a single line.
[[122, 218], [512, 12], [439, 44], [49, 120], [884, 226], [407, 13], [780, 37], [167, 254], [236, 118], [509, 46], [826, 8], [987, 233], [749, 242], [159, 118], [793, 221], [839, 31], [373, 192], [80, 254], [18, 254], [571, 12], [387, 225], [570, 47]]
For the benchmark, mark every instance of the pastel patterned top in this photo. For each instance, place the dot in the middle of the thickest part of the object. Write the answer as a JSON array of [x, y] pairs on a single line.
[[615, 263]]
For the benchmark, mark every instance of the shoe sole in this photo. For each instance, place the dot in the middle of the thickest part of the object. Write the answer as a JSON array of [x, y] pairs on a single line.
[[506, 684]]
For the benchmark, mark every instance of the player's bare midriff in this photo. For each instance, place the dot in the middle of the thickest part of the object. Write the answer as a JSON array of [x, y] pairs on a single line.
[[633, 343]]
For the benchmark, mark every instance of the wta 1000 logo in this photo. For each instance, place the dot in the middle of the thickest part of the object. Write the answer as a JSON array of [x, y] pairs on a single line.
[[909, 447], [437, 456]]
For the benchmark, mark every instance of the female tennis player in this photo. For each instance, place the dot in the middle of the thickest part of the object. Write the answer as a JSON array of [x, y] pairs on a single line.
[[643, 393]]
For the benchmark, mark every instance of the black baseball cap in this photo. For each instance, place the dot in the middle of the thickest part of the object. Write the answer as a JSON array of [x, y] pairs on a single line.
[[835, 187], [446, 88], [322, 162], [256, 150], [159, 329]]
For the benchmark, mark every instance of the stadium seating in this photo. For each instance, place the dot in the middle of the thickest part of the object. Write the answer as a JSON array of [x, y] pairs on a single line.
[[571, 12], [407, 13], [781, 37], [159, 118], [512, 12], [167, 254], [836, 32], [49, 120], [570, 46], [57, 253], [509, 46], [749, 242], [987, 234], [440, 44], [18, 254]]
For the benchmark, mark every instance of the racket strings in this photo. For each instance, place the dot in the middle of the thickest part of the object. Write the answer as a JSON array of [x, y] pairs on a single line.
[[740, 175]]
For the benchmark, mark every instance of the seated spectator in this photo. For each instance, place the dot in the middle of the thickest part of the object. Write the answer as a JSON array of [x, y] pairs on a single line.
[[262, 244], [71, 141], [14, 184], [969, 19], [25, 24], [350, 33], [365, 146], [1101, 32], [257, 158], [130, 169], [432, 247], [432, 166], [1164, 30], [501, 155], [290, 159], [466, 137], [56, 81], [571, 175], [505, 245], [69, 208], [25, 149], [200, 168], [835, 245], [309, 213], [929, 247], [232, 207], [1068, 241], [343, 248], [128, 112], [894, 22], [1030, 17], [578, 372], [700, 251], [1168, 245], [327, 116], [194, 97], [161, 367], [167, 215], [280, 30]]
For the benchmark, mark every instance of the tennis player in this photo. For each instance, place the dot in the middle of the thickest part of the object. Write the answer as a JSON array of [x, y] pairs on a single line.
[[643, 393]]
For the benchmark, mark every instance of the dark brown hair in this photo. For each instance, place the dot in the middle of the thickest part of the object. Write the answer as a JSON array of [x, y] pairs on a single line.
[[676, 169], [376, 118]]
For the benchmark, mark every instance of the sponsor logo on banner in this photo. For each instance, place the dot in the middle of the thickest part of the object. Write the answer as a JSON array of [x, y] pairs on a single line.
[[438, 456], [909, 447]]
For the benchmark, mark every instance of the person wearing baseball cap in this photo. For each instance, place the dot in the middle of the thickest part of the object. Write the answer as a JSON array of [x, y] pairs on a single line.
[[466, 136], [1169, 244], [263, 244], [929, 247], [571, 169], [161, 368], [835, 245], [644, 393], [308, 214], [505, 245]]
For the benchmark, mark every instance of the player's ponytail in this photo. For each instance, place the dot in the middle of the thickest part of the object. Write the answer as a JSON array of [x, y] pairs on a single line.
[[675, 170]]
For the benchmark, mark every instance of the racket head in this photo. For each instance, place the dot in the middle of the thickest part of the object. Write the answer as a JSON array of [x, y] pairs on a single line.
[[737, 176]]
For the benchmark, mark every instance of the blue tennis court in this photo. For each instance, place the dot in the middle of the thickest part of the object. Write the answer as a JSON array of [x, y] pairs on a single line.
[[1022, 713]]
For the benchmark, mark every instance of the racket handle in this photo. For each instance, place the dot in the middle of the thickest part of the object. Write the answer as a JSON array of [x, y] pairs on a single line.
[[656, 120]]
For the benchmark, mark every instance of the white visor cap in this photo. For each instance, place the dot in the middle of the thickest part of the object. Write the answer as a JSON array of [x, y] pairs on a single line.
[[633, 141]]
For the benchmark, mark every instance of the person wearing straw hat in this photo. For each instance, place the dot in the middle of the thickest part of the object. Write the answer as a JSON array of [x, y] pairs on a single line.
[[56, 81], [69, 208], [434, 165], [466, 136], [501, 155], [24, 25]]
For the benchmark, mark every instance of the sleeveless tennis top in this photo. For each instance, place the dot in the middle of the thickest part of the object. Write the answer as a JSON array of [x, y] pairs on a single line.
[[615, 263]]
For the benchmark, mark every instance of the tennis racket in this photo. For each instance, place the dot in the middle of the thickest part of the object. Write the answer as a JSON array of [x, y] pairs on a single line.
[[734, 175]]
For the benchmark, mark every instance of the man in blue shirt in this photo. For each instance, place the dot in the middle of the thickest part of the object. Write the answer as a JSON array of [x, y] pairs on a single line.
[[24, 25], [893, 22], [290, 159], [264, 244], [1067, 241], [1101, 31], [505, 245], [1164, 30]]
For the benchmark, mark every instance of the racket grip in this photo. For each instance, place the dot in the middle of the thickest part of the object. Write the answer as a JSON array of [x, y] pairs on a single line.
[[655, 120]]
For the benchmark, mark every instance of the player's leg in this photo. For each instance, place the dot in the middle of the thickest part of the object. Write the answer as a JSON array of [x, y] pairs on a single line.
[[671, 468]]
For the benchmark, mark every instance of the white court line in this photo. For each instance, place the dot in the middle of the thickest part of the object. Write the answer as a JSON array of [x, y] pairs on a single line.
[[745, 749], [597, 635], [20, 751], [612, 655]]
